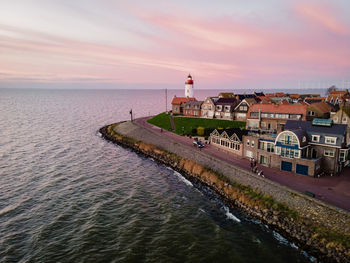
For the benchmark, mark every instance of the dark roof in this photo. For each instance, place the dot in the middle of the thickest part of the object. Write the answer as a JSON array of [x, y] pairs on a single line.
[[259, 94], [243, 96], [310, 101], [226, 101], [307, 126], [300, 133], [239, 132], [192, 103], [336, 130]]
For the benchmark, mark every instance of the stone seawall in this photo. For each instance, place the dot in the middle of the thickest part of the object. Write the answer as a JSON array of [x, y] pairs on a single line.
[[320, 229]]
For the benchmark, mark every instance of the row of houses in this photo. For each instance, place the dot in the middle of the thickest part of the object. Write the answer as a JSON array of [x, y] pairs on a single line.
[[302, 133], [304, 147], [251, 108]]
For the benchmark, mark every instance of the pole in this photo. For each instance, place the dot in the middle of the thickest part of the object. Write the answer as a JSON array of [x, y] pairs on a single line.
[[166, 100], [131, 115]]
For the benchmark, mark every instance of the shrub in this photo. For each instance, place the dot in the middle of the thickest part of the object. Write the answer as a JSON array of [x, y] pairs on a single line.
[[200, 131]]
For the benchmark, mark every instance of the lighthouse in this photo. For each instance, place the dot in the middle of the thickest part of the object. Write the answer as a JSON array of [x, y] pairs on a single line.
[[189, 87]]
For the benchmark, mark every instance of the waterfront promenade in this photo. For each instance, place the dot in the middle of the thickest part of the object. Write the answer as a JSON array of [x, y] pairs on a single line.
[[332, 190]]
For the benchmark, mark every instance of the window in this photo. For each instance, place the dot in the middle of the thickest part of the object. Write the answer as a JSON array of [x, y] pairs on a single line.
[[263, 159], [311, 113], [329, 153], [289, 153], [335, 119], [342, 155], [254, 114], [253, 143], [248, 142], [344, 119], [315, 138], [209, 107], [331, 140], [295, 116]]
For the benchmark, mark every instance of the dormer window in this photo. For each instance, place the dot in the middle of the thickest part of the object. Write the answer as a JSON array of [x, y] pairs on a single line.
[[330, 140], [311, 113], [315, 138]]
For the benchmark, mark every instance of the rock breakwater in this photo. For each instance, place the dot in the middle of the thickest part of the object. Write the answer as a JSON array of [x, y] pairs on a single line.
[[325, 243]]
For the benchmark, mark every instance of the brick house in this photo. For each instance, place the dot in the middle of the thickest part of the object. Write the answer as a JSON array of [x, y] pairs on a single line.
[[304, 147], [241, 110], [339, 97], [208, 107], [342, 116], [318, 110], [177, 104], [224, 108], [192, 108], [228, 139], [327, 141], [272, 117]]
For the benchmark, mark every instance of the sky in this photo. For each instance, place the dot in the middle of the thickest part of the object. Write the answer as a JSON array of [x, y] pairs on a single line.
[[224, 44]]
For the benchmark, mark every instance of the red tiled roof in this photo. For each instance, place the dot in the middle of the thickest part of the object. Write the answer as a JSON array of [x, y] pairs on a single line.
[[277, 94], [179, 100], [294, 96], [338, 92], [315, 98], [321, 107], [279, 108], [265, 100]]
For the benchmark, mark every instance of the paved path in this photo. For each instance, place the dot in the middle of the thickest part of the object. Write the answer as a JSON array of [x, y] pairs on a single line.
[[333, 190], [172, 123]]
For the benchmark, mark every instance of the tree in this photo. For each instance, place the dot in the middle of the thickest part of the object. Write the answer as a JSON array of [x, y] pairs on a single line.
[[330, 89]]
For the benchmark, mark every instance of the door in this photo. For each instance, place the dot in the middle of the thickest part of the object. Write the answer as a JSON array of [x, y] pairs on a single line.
[[314, 154], [286, 166], [302, 169]]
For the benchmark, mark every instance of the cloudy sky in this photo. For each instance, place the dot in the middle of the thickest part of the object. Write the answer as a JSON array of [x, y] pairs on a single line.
[[155, 44]]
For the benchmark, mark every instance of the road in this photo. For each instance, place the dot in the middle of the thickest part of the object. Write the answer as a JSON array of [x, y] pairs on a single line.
[[333, 190]]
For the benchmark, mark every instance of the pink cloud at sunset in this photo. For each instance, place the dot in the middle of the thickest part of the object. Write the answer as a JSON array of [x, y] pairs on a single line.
[[323, 16], [147, 46]]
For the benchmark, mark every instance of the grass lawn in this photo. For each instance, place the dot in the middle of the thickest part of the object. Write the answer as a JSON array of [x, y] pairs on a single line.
[[162, 120], [191, 123]]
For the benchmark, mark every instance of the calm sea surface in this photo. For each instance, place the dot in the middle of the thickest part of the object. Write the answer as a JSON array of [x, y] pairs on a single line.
[[67, 195]]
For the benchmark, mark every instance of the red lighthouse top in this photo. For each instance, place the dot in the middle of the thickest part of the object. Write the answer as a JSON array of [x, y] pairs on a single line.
[[189, 80]]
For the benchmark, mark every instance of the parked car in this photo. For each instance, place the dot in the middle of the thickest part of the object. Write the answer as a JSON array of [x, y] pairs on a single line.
[[198, 144]]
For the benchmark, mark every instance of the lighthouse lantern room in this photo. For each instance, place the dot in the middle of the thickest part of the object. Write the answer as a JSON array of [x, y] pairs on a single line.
[[189, 87]]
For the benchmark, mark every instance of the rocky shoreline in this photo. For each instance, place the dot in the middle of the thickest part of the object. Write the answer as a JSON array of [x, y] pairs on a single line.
[[304, 232]]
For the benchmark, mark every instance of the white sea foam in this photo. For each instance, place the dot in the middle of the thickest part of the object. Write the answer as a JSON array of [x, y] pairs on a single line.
[[183, 179], [231, 216], [280, 238], [202, 210], [99, 134], [169, 168]]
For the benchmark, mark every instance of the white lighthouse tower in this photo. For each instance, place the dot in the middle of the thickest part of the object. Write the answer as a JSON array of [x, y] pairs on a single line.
[[189, 87]]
